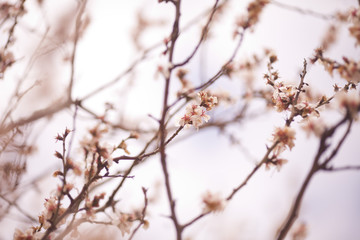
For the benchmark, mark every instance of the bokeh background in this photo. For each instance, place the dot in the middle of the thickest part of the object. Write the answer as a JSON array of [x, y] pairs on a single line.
[[198, 161]]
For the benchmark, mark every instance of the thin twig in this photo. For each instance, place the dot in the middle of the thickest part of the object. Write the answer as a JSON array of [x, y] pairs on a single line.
[[39, 114], [12, 28], [202, 38], [76, 38], [302, 11], [143, 214], [345, 168], [22, 211]]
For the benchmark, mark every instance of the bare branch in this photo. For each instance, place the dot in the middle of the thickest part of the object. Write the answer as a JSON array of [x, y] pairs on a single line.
[[302, 11]]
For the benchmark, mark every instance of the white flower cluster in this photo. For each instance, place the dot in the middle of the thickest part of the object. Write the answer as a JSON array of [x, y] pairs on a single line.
[[51, 205], [285, 137], [283, 96], [196, 113]]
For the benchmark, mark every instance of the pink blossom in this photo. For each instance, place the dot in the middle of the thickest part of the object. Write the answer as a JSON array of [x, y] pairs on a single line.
[[285, 137], [283, 96]]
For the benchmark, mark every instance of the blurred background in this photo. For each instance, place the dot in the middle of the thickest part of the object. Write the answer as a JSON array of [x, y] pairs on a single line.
[[117, 35]]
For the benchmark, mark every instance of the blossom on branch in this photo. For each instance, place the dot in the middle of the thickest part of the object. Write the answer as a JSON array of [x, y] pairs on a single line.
[[254, 10], [196, 113], [51, 205], [213, 202], [207, 101], [285, 137], [306, 109], [283, 96], [278, 162]]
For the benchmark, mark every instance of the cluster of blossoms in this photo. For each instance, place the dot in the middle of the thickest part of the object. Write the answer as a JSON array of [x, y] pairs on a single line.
[[286, 97], [196, 113], [94, 149], [284, 136], [305, 109], [51, 206], [283, 96], [213, 202], [347, 101], [90, 205], [349, 70]]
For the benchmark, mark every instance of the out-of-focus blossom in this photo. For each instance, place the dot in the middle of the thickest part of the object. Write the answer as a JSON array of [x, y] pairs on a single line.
[[285, 137], [213, 202], [354, 29], [313, 125], [123, 222], [350, 101], [277, 162]]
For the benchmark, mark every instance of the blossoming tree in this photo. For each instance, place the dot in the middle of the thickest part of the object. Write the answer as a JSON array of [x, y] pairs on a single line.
[[81, 154]]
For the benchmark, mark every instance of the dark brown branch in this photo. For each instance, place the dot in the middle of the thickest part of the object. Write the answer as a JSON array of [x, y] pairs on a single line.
[[340, 143], [316, 166], [162, 127]]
